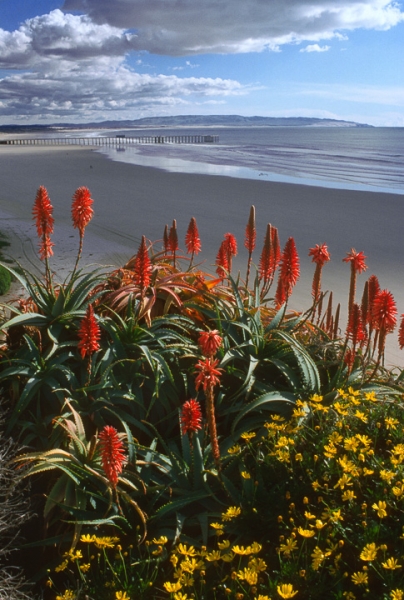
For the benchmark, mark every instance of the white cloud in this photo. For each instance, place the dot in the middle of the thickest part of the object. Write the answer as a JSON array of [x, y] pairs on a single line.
[[229, 26], [315, 48], [102, 88], [70, 65]]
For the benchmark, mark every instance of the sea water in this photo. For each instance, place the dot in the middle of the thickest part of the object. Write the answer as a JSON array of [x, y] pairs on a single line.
[[357, 158]]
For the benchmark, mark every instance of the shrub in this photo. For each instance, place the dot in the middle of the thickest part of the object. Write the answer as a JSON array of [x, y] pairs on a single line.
[[5, 280]]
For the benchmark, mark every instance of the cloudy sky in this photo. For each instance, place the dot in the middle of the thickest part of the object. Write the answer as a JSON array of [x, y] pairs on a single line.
[[82, 60]]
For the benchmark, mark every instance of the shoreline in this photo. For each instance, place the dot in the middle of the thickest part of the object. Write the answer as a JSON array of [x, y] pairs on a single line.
[[132, 200]]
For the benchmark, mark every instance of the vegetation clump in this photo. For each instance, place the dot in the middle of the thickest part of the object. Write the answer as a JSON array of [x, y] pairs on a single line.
[[192, 437]]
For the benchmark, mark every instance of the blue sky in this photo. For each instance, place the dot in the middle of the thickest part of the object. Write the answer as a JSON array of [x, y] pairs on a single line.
[[93, 60]]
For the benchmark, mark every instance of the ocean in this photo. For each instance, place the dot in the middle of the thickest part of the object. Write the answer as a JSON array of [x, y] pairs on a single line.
[[356, 158]]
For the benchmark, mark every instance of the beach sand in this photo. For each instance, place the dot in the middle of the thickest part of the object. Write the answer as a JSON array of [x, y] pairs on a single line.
[[131, 201]]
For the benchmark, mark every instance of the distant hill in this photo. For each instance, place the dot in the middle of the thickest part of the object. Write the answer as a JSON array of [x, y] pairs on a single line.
[[190, 121]]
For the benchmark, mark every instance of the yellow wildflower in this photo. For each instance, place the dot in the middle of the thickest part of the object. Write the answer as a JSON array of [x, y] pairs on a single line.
[[68, 595], [398, 490], [397, 595], [62, 566], [387, 476], [257, 564], [289, 546], [213, 556], [248, 575], [186, 550], [316, 398], [192, 564], [105, 542], [180, 596], [391, 422], [172, 587], [121, 596], [361, 415], [360, 578], [391, 564], [369, 552], [88, 539], [85, 567], [380, 507], [255, 547], [318, 557], [242, 550], [231, 513], [371, 396], [160, 541], [348, 495], [286, 590], [345, 480], [245, 475], [224, 545], [234, 449], [247, 436], [351, 444], [309, 516], [307, 533]]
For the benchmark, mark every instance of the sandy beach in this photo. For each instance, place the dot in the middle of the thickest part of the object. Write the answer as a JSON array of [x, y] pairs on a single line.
[[131, 201]]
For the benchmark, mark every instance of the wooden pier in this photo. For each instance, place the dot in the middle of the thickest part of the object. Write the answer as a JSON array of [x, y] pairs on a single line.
[[113, 141]]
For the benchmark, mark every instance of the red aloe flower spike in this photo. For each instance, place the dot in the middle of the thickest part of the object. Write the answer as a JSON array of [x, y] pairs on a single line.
[[208, 375], [355, 330], [208, 378], [276, 248], [320, 256], [42, 212], [357, 260], [266, 259], [401, 333], [166, 240], [191, 417], [45, 248], [112, 453], [231, 248], [82, 213], [250, 239], [222, 261], [173, 239], [289, 272], [384, 315], [349, 359], [142, 267], [209, 342], [89, 334], [192, 239], [384, 311], [373, 290], [328, 315]]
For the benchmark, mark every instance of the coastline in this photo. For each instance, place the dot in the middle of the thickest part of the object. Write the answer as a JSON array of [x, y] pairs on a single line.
[[131, 201]]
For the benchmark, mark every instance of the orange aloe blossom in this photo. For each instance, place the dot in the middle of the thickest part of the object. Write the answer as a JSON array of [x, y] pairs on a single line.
[[289, 272], [82, 213], [173, 239], [191, 417], [250, 239], [320, 256], [142, 267], [209, 342], [401, 333], [384, 316], [209, 376], [89, 334], [192, 239], [112, 453], [222, 261], [357, 260], [42, 213]]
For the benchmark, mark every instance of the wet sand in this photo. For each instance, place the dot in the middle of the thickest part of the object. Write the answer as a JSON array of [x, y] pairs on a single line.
[[131, 201]]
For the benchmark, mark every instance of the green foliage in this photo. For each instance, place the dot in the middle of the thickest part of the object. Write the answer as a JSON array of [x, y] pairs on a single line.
[[5, 280]]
